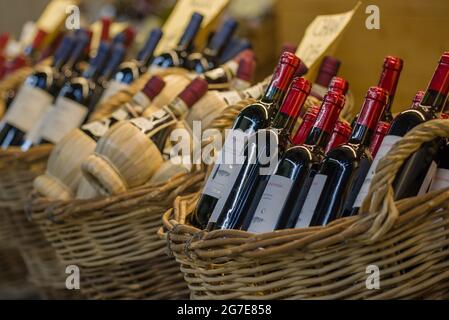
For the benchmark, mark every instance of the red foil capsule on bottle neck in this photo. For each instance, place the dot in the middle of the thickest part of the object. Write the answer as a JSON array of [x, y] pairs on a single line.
[[286, 68], [246, 69], [340, 135], [381, 131], [373, 107], [153, 87], [440, 79], [330, 110], [339, 85], [296, 96], [417, 99], [194, 91], [328, 69], [306, 125], [389, 78]]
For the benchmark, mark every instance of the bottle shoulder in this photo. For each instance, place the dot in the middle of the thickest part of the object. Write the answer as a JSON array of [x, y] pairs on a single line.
[[408, 119]]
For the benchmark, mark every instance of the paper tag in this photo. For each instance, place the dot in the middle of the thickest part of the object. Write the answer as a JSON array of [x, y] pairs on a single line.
[[65, 116], [179, 18], [28, 107], [308, 209], [54, 15], [441, 180], [385, 147], [271, 204], [114, 87], [321, 33]]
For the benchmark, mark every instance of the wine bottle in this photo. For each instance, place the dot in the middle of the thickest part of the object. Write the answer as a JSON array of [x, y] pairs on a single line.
[[389, 79], [441, 178], [340, 135], [208, 59], [178, 56], [417, 99], [414, 176], [33, 99], [74, 102], [261, 155], [133, 69], [132, 109], [379, 135], [245, 73], [328, 69], [235, 46], [222, 77], [306, 125], [343, 170], [252, 118], [286, 188]]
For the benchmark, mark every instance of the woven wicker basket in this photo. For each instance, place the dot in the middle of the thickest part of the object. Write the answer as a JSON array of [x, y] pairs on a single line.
[[407, 240], [114, 240]]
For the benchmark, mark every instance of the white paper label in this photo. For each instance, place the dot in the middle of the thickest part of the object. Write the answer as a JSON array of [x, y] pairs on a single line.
[[441, 180], [34, 135], [306, 214], [271, 204], [230, 97], [428, 179], [226, 169], [255, 92], [384, 148], [28, 107], [114, 87], [65, 116]]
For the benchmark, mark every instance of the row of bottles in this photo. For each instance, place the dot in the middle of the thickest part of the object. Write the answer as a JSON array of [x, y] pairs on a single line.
[[324, 172], [55, 99]]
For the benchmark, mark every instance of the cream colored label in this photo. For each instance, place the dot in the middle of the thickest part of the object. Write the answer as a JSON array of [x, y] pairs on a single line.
[[180, 17], [65, 116], [271, 204], [385, 147], [314, 194], [320, 35], [28, 107], [114, 87], [255, 92], [230, 97]]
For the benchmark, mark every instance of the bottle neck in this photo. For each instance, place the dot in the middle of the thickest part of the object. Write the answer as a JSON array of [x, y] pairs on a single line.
[[389, 81], [361, 135], [272, 98], [145, 56], [220, 39], [317, 137], [434, 101], [186, 41], [304, 131]]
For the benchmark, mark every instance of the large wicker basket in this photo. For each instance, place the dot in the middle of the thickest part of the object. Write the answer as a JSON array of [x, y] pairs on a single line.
[[407, 240], [17, 172]]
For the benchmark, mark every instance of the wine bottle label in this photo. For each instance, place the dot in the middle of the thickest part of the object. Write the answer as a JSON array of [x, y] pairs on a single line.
[[255, 92], [141, 99], [65, 116], [428, 178], [308, 209], [28, 107], [441, 180], [230, 97], [271, 204], [34, 135], [226, 169], [156, 119], [114, 87], [384, 148]]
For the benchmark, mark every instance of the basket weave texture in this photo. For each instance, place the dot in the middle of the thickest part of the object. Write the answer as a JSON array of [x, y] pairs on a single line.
[[407, 240]]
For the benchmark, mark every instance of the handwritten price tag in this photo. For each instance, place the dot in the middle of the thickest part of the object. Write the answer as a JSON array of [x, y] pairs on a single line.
[[321, 34]]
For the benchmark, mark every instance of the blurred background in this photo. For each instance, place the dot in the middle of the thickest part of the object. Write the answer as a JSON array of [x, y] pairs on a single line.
[[415, 30]]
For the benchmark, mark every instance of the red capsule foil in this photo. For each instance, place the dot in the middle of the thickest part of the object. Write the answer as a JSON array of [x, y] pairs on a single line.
[[288, 64], [373, 107], [340, 135], [306, 125], [330, 110]]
